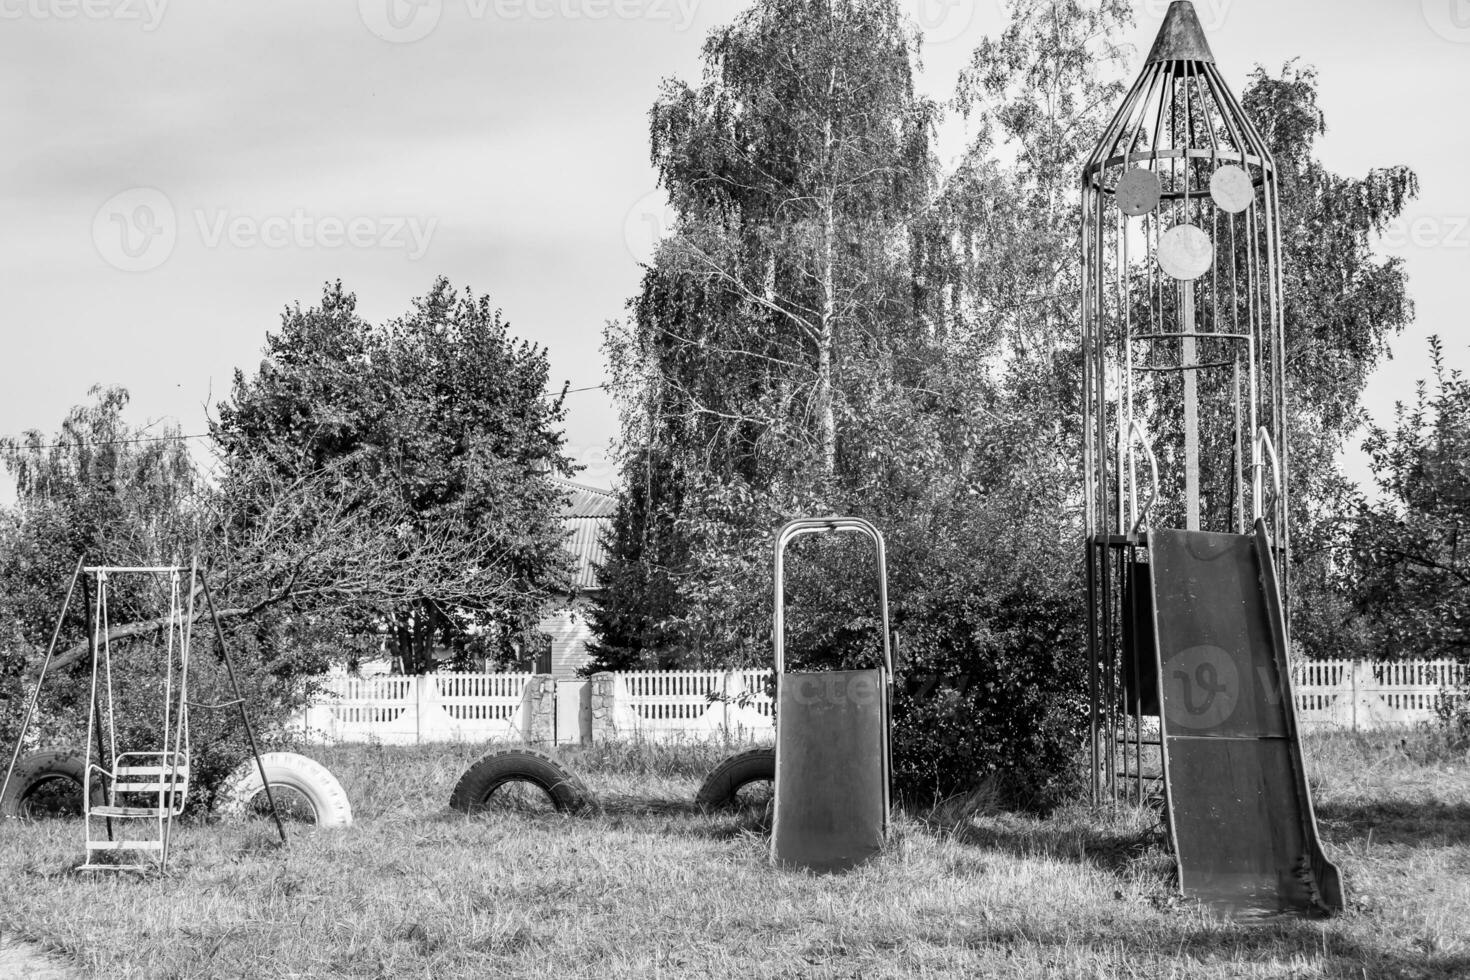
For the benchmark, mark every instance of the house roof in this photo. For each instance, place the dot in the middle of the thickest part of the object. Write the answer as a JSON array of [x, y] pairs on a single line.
[[585, 501], [587, 514]]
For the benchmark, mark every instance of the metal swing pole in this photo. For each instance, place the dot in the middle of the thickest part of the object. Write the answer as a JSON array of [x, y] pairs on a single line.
[[224, 650], [186, 634], [25, 724], [94, 719]]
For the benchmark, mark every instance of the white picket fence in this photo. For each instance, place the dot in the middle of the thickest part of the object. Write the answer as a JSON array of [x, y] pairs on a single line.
[[412, 710], [677, 704], [1366, 695], [679, 700]]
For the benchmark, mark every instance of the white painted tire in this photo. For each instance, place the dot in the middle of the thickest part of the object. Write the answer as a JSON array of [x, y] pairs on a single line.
[[311, 779]]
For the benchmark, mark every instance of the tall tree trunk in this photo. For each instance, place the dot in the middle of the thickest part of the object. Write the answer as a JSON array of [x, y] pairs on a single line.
[[826, 416]]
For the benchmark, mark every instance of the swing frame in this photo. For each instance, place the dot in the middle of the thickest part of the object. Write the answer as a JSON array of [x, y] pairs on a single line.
[[164, 778]]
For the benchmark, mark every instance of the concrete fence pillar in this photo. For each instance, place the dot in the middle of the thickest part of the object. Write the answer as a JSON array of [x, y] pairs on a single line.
[[731, 687], [538, 710], [604, 703]]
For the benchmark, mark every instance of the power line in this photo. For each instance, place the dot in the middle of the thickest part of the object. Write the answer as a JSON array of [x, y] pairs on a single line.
[[104, 442], [21, 443]]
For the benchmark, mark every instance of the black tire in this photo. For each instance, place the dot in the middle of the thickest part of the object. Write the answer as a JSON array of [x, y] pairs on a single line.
[[722, 787], [47, 783], [566, 792]]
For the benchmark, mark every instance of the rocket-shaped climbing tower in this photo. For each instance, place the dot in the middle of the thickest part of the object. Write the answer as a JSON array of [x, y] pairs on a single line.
[[1188, 543]]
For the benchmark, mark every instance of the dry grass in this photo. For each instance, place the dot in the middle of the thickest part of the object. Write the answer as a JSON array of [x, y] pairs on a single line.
[[650, 888]]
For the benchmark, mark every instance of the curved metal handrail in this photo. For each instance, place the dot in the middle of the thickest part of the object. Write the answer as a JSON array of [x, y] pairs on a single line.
[[1135, 429], [821, 525], [1263, 447]]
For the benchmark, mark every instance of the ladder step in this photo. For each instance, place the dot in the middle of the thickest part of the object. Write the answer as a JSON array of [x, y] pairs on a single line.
[[122, 771], [128, 811], [124, 845], [117, 867]]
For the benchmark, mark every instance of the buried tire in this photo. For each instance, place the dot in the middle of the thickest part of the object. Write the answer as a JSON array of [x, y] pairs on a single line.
[[47, 783], [243, 793], [495, 780], [722, 788]]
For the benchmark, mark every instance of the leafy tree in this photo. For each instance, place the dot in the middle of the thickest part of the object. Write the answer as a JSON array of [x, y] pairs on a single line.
[[948, 432], [1409, 549], [764, 326], [391, 475], [1343, 305], [112, 494]]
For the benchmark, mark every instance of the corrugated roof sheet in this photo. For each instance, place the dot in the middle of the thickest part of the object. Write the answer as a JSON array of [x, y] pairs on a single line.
[[585, 501], [587, 515], [586, 545]]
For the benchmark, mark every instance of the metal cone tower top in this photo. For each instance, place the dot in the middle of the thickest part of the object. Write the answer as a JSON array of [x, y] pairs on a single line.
[[1181, 38], [1182, 313]]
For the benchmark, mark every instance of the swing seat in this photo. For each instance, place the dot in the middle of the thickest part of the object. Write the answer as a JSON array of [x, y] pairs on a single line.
[[163, 775]]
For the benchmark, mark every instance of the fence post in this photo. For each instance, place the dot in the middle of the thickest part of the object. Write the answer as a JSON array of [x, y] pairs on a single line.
[[538, 710], [418, 708], [1355, 692], [604, 706], [731, 688]]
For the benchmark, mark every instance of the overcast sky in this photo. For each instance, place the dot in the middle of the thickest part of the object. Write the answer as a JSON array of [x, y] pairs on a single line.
[[177, 172]]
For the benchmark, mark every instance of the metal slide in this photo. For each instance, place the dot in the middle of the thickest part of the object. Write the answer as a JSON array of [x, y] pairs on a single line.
[[1240, 812]]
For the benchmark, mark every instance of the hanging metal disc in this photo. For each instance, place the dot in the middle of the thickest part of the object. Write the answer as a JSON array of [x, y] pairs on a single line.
[[1186, 253], [1138, 191], [1232, 189]]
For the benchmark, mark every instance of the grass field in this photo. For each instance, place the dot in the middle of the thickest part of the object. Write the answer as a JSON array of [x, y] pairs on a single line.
[[651, 888]]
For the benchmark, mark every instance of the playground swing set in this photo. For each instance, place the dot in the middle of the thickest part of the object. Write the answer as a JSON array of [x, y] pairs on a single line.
[[1188, 654], [141, 788]]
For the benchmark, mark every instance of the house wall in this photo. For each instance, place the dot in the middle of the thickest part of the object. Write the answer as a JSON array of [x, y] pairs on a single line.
[[570, 632]]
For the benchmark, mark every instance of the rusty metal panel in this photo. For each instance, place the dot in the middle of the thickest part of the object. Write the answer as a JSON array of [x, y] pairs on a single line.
[[831, 769]]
